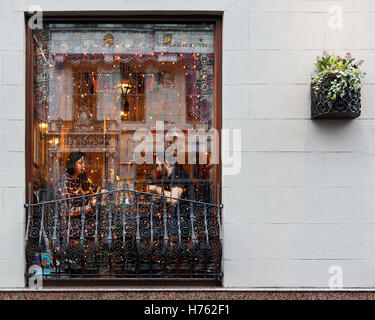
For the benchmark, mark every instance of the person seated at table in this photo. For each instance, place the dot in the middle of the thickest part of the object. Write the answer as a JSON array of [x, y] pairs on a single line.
[[74, 183], [175, 181]]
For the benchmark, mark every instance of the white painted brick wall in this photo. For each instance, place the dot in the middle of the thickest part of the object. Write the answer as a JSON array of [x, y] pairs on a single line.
[[308, 184], [355, 33], [246, 67], [304, 198], [287, 101], [287, 30], [364, 5], [310, 5]]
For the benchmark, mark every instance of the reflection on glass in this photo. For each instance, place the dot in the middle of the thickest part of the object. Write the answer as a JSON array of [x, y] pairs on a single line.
[[95, 86]]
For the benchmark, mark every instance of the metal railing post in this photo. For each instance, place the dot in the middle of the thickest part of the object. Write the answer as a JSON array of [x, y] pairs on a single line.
[[156, 250], [28, 215], [83, 219]]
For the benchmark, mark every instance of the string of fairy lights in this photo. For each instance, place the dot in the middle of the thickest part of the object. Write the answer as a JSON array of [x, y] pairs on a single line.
[[84, 94]]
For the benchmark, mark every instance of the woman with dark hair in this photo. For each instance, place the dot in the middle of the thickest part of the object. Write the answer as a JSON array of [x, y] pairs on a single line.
[[74, 183]]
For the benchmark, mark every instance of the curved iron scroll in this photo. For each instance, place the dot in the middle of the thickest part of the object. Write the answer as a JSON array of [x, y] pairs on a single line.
[[125, 234], [322, 106]]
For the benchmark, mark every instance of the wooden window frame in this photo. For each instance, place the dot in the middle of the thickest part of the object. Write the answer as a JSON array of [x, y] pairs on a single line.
[[123, 17]]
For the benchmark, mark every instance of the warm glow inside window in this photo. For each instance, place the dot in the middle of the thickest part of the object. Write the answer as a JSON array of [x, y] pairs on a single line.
[[94, 86]]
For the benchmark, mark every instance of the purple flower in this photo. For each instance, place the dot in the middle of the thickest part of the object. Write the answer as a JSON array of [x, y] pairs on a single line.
[[348, 56], [325, 54], [317, 58]]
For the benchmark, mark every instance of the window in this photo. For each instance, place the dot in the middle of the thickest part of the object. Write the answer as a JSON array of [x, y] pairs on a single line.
[[94, 87]]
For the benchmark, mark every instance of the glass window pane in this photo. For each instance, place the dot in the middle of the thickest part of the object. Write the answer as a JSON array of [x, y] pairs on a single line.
[[95, 85]]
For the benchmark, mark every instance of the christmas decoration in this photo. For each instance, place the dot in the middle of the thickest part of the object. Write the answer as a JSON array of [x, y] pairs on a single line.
[[93, 90]]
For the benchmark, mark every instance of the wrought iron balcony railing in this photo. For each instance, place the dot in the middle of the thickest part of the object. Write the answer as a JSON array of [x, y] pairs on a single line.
[[125, 234]]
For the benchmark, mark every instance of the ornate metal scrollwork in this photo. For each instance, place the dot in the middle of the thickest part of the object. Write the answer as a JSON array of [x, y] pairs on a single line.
[[127, 234], [322, 106]]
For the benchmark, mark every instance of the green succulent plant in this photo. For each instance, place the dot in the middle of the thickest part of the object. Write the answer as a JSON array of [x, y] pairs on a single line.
[[339, 73]]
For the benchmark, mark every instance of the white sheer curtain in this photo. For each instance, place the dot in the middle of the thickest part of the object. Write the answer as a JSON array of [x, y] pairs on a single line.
[[109, 97], [60, 97]]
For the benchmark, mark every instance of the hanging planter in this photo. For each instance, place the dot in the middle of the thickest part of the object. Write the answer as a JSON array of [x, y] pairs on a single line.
[[336, 88]]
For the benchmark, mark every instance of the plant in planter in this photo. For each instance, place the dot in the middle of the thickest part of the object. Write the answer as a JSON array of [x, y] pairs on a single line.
[[336, 87]]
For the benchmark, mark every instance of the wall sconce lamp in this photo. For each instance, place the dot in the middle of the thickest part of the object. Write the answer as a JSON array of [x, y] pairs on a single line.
[[125, 88], [43, 128]]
